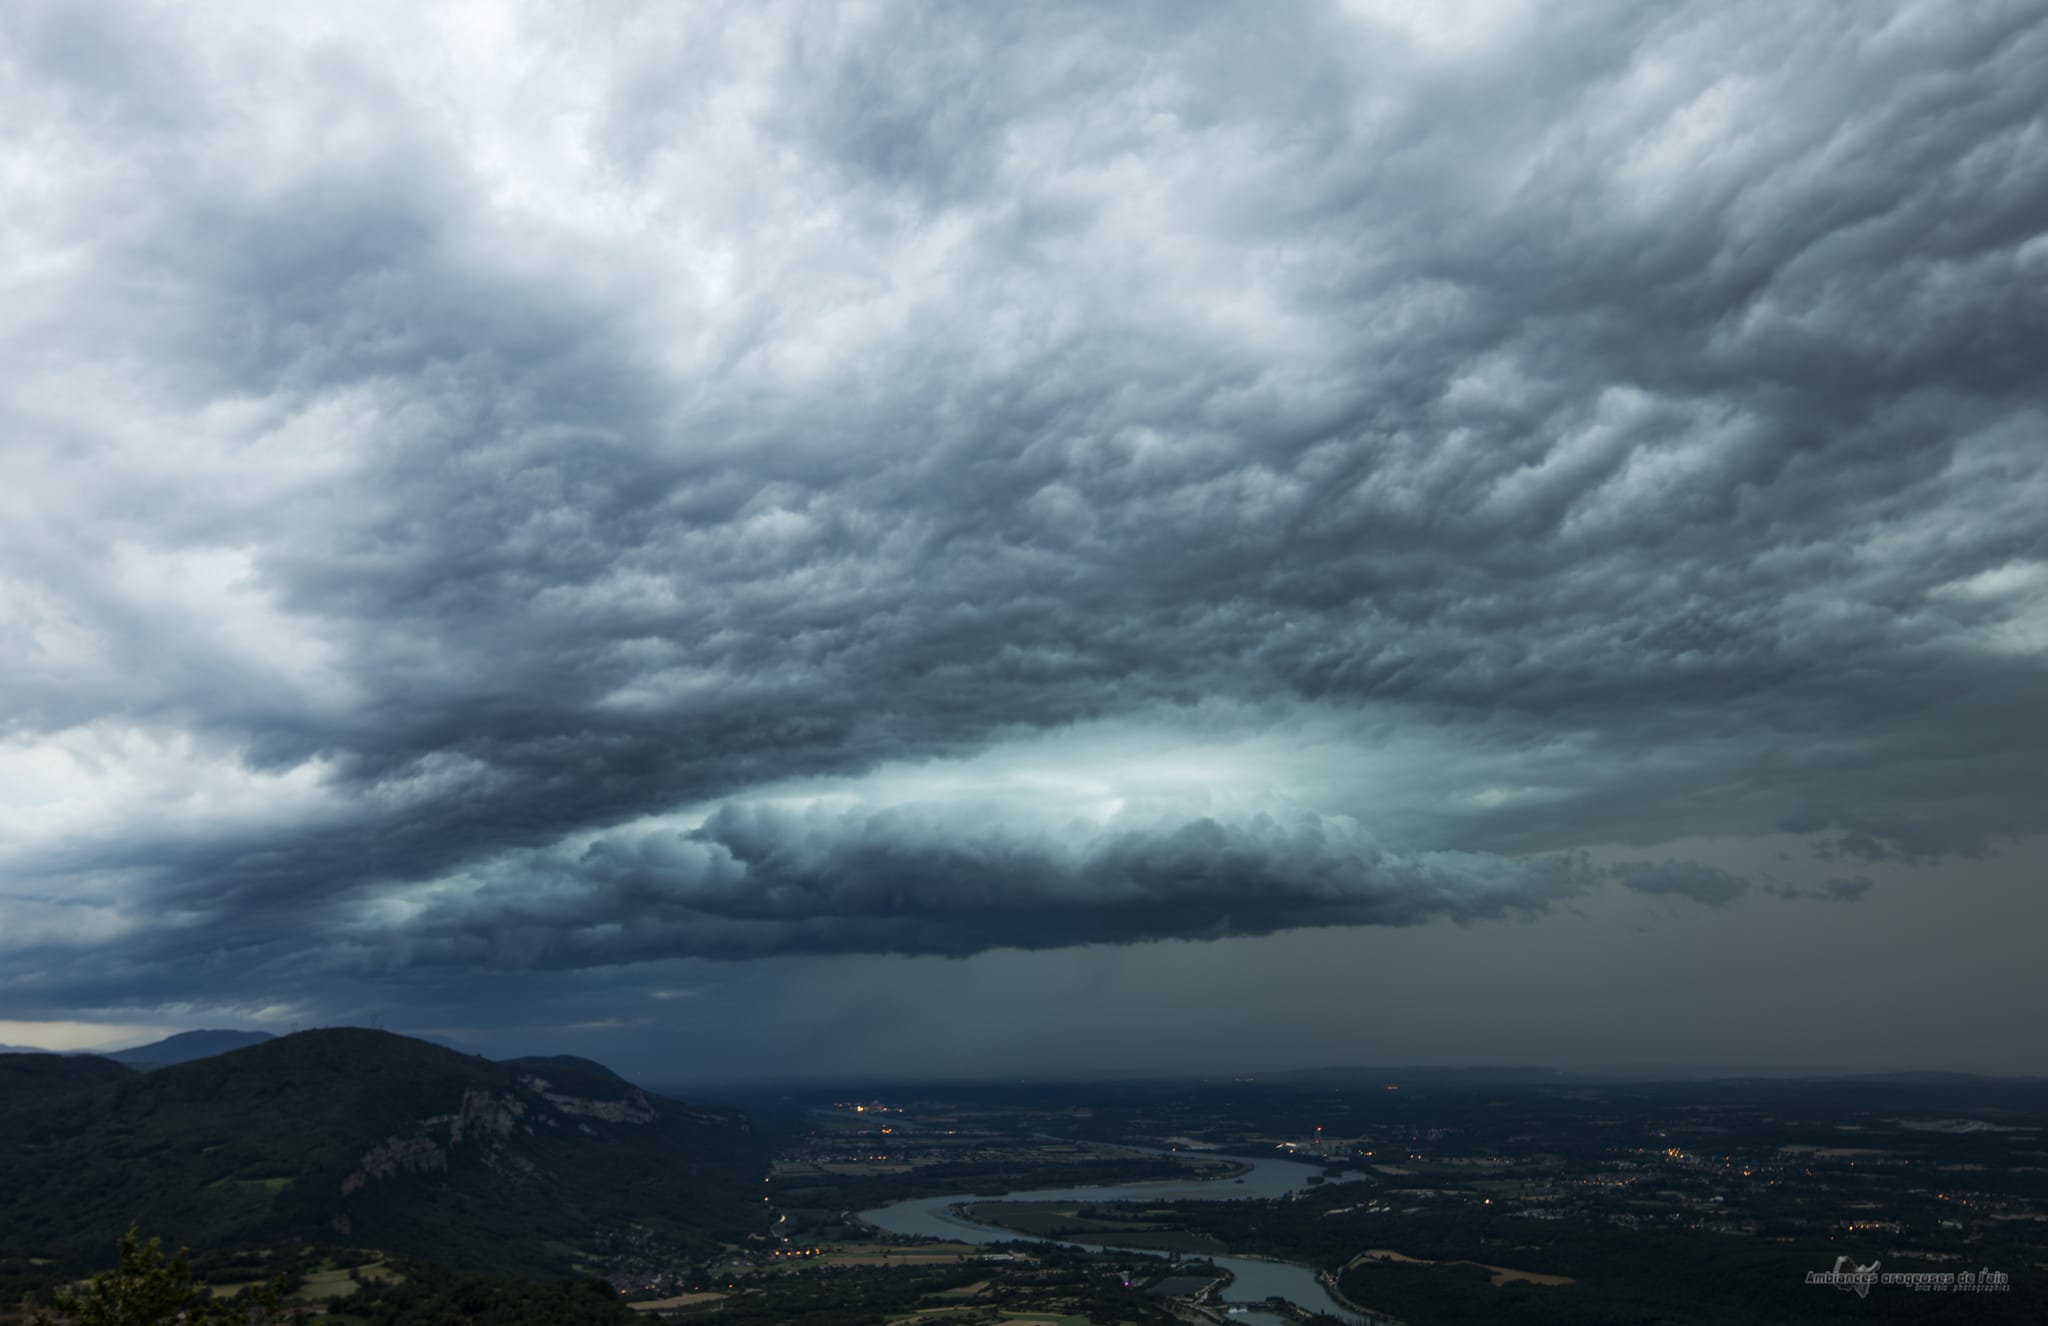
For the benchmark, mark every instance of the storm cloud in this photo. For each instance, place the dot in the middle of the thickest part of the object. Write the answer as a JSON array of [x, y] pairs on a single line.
[[504, 489], [1686, 879], [756, 880]]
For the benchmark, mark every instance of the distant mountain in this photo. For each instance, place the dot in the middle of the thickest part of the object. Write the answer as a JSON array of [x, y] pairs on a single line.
[[1937, 1079], [1424, 1076], [186, 1046], [372, 1140]]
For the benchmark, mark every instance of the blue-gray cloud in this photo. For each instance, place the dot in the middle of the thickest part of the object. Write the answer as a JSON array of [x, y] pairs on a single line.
[[1851, 889], [432, 458], [1706, 885]]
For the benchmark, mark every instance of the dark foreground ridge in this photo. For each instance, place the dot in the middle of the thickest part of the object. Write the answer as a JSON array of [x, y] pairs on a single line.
[[364, 1138], [33, 1074]]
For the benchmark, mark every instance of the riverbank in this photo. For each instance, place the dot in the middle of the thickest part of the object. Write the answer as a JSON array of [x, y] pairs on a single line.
[[1372, 1318], [1256, 1278]]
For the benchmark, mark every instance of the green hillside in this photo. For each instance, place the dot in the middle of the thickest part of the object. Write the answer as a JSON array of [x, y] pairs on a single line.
[[372, 1140], [564, 1063], [32, 1076]]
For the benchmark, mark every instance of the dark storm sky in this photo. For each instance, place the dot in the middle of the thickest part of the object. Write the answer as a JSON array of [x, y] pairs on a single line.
[[971, 538]]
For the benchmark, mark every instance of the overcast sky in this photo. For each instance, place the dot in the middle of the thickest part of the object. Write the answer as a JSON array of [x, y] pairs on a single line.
[[1030, 538]]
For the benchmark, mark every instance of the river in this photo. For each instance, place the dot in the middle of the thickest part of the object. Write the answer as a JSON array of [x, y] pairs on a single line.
[[1255, 1279]]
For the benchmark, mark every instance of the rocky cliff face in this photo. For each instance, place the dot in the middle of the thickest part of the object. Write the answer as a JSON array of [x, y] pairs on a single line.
[[633, 1108], [397, 1155], [491, 1121]]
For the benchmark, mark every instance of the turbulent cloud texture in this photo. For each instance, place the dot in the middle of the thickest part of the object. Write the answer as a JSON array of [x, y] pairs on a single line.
[[500, 488], [757, 880]]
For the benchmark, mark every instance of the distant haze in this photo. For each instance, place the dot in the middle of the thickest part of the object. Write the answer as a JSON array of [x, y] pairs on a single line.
[[784, 540]]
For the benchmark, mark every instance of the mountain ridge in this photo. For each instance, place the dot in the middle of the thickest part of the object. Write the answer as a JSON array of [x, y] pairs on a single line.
[[186, 1046], [372, 1139], [33, 1074]]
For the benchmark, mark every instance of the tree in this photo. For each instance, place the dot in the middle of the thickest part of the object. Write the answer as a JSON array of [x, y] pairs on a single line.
[[149, 1289]]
